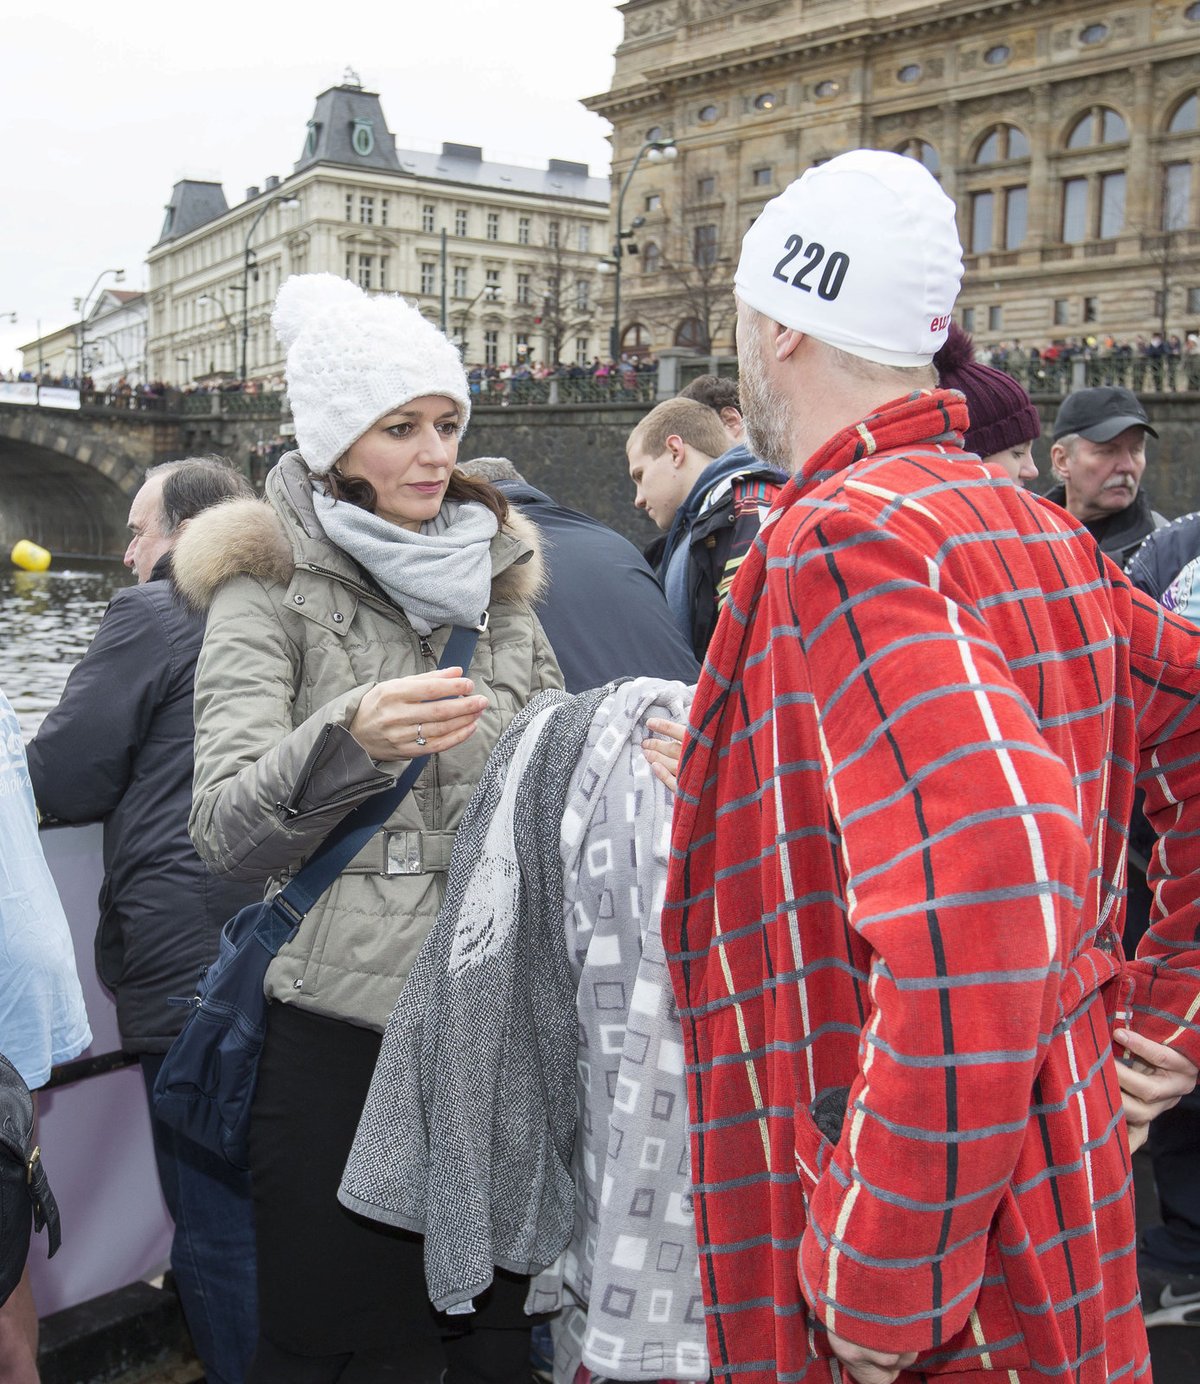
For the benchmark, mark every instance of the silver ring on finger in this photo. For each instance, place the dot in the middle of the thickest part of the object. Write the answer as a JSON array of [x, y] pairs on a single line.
[[420, 737]]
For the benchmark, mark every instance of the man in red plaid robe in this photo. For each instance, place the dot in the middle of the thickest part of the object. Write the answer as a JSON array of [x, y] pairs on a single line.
[[897, 889]]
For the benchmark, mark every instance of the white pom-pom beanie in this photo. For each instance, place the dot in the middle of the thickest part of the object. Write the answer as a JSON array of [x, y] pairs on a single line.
[[351, 359]]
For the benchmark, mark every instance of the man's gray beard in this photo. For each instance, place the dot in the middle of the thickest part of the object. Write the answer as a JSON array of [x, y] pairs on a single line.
[[767, 413]]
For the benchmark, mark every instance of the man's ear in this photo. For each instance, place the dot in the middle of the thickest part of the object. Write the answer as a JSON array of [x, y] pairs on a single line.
[[1058, 455], [731, 420], [787, 340], [678, 449]]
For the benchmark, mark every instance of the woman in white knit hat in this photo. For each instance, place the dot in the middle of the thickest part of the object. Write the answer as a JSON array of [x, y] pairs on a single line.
[[328, 609]]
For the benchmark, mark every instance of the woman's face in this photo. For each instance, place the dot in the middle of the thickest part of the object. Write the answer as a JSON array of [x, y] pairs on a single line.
[[1017, 461], [408, 456]]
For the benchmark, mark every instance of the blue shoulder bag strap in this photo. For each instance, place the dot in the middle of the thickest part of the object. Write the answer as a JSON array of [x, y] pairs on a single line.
[[344, 842]]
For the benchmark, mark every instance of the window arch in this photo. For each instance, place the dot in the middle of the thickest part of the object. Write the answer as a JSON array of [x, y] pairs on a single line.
[[1100, 125], [651, 257], [1001, 143], [923, 152], [691, 334], [635, 337], [1186, 115]]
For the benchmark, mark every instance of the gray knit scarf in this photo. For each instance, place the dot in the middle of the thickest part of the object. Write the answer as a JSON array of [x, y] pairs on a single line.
[[439, 575]]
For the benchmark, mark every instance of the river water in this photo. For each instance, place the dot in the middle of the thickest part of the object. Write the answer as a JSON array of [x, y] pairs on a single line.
[[48, 619]]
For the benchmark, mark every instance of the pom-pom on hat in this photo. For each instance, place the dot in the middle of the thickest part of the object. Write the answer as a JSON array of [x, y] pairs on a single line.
[[351, 359], [861, 253], [1001, 413]]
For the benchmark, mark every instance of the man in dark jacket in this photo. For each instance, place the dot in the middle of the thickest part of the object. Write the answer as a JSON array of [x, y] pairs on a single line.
[[118, 749], [1098, 457], [603, 611], [707, 497]]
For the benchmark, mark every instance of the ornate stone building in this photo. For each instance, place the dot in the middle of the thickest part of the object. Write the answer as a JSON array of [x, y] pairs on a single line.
[[1067, 131], [505, 257]]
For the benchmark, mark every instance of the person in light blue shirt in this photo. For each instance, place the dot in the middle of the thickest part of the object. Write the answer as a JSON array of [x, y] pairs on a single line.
[[42, 1016]]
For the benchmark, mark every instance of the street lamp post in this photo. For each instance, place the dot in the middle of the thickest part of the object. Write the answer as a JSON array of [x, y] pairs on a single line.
[[655, 150], [248, 260], [119, 274], [229, 322]]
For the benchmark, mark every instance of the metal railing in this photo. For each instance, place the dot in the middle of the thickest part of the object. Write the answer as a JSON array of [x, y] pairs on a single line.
[[1142, 374], [632, 388]]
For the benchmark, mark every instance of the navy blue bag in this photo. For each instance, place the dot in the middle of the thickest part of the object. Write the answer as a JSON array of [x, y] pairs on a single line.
[[205, 1086]]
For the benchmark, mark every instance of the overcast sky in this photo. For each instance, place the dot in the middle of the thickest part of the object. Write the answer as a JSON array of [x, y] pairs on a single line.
[[104, 107]]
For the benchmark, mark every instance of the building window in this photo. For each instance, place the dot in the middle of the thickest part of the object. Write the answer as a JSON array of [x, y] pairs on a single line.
[[1193, 294], [1091, 309], [707, 114], [1094, 33], [521, 345], [1112, 205], [997, 55], [762, 177], [427, 216], [704, 246], [582, 295], [1016, 217], [493, 225], [491, 286], [1176, 196], [523, 231], [428, 276], [552, 233], [1074, 210], [651, 257], [585, 238], [349, 206], [523, 290], [1062, 312], [460, 281], [968, 319], [1100, 125], [349, 266], [923, 152], [460, 221], [826, 89], [1186, 116], [581, 350], [706, 186], [766, 101], [383, 204], [654, 132], [982, 210], [366, 210], [690, 334], [1002, 142], [654, 202], [1193, 12], [491, 348], [364, 271], [995, 319], [383, 259], [910, 72]]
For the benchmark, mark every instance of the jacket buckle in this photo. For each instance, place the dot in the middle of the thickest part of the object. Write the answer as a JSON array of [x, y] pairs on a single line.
[[402, 853]]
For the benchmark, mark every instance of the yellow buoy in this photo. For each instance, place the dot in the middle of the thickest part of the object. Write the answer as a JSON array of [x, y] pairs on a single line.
[[30, 556]]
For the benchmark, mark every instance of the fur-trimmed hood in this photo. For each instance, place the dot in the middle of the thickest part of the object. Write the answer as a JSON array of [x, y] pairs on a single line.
[[269, 538]]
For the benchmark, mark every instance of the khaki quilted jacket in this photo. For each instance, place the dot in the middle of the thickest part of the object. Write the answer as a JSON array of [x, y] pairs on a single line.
[[296, 636]]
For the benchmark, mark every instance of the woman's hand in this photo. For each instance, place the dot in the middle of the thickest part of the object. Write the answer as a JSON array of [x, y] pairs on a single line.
[[663, 754], [1152, 1078], [437, 707]]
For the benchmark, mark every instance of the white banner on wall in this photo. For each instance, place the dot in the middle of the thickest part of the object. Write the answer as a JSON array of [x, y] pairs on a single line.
[[18, 392], [58, 398]]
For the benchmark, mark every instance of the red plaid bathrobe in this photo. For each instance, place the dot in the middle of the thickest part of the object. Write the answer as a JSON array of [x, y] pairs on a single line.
[[899, 867]]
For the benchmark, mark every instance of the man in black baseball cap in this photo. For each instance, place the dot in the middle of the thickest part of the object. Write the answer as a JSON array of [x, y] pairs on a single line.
[[1098, 456]]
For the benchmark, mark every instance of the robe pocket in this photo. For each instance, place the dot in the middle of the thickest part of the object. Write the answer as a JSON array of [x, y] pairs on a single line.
[[992, 1338]]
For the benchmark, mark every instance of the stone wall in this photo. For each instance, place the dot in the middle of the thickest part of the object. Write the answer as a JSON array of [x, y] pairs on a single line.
[[576, 453]]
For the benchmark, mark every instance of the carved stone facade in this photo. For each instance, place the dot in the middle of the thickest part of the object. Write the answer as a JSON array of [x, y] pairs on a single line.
[[1067, 131]]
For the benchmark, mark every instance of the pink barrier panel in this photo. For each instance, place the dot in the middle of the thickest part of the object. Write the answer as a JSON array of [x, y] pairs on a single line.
[[95, 1133]]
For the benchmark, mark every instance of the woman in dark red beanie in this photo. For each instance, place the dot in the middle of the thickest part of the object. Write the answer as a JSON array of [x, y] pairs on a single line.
[[1004, 421]]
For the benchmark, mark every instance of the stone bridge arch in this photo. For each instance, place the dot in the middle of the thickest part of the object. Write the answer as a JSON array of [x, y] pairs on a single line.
[[66, 480]]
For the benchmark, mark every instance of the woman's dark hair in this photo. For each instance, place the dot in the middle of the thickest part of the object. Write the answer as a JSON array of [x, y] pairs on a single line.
[[464, 489]]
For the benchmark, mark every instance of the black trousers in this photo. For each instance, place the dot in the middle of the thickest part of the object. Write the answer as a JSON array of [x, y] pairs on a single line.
[[1174, 1141], [342, 1298]]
